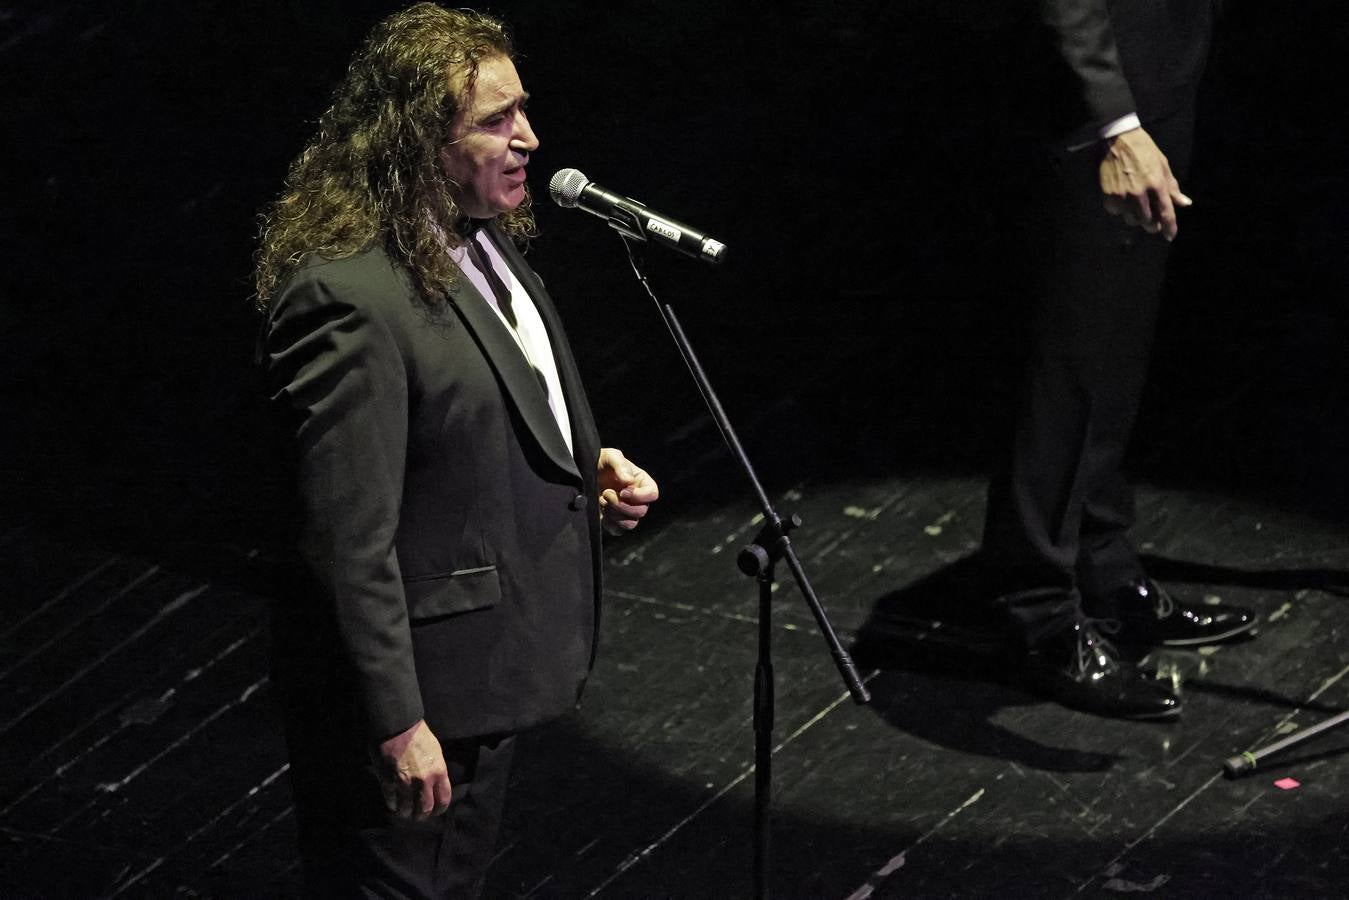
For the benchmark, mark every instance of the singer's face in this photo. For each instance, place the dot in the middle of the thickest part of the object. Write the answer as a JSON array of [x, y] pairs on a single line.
[[490, 143]]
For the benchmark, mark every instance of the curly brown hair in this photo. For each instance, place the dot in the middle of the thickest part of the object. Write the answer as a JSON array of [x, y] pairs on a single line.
[[371, 173]]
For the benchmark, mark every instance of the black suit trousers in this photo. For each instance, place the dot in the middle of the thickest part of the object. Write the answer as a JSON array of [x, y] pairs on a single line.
[[1056, 529], [351, 846]]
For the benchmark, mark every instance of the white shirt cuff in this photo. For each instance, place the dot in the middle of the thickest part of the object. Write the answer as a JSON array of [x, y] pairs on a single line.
[[1120, 125], [1111, 129]]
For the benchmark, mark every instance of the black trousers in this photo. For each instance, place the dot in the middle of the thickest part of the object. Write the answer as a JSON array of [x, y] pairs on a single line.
[[350, 844], [1056, 528]]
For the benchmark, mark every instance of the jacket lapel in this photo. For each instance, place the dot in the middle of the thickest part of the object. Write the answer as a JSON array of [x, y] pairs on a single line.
[[585, 438], [517, 378]]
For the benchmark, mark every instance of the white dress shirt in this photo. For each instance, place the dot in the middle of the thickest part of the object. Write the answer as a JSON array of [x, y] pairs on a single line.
[[528, 330]]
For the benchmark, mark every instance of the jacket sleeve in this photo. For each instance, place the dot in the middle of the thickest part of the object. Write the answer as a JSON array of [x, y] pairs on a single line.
[[335, 367], [1082, 34]]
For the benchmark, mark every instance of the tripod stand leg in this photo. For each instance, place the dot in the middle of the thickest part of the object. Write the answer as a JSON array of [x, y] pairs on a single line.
[[1246, 762]]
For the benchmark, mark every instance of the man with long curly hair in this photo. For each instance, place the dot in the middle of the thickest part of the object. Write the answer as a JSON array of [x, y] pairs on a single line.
[[452, 488]]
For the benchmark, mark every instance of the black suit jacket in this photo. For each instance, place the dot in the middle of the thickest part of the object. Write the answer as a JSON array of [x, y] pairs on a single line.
[[1114, 57], [451, 540]]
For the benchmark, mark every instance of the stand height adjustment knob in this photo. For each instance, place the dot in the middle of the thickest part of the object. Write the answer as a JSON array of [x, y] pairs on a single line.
[[768, 546]]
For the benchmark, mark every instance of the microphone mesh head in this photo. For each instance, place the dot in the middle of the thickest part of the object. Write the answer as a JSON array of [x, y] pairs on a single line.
[[566, 186]]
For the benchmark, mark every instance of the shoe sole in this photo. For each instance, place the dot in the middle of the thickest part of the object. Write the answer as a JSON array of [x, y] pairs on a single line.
[[1211, 639], [1154, 717]]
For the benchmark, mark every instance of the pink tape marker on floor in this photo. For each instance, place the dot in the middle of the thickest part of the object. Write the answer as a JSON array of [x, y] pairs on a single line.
[[1287, 784]]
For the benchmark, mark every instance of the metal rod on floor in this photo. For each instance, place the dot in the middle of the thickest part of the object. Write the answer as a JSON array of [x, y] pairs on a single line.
[[1249, 760]]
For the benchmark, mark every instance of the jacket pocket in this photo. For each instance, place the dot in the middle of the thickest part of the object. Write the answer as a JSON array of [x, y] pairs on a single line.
[[429, 596]]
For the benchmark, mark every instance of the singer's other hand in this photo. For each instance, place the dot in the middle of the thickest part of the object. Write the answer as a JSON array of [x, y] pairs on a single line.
[[1137, 183], [626, 492]]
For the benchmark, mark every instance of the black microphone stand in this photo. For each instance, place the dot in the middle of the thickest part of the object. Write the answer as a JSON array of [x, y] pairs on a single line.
[[757, 560]]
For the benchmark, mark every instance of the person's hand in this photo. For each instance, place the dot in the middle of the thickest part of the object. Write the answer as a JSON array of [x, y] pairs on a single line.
[[626, 492], [1137, 183], [412, 774]]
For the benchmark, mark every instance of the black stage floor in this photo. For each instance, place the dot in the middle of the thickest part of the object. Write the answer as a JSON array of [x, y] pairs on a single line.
[[142, 757], [863, 338]]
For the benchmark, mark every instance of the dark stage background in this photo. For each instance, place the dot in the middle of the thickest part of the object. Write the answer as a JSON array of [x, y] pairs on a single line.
[[844, 152], [853, 156]]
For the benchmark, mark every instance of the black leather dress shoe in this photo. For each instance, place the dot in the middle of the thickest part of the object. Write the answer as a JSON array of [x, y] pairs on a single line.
[[1147, 614], [1081, 670]]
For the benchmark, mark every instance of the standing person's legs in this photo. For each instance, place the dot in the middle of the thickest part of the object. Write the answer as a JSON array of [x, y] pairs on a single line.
[[1109, 575], [1107, 559], [1035, 519], [352, 846], [477, 818], [447, 856], [1035, 510]]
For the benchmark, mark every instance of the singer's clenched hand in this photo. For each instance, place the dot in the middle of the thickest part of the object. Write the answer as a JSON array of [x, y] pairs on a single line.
[[1137, 183], [626, 492], [412, 774]]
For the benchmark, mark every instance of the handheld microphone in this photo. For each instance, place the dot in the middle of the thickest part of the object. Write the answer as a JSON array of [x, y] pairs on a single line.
[[570, 188]]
